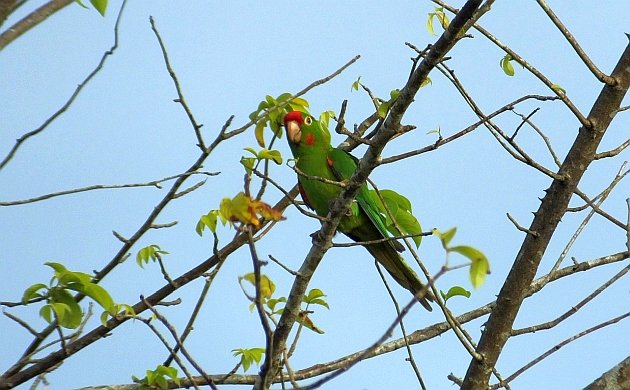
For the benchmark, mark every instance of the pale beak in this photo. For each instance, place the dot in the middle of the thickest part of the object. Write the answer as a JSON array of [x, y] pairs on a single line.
[[294, 132]]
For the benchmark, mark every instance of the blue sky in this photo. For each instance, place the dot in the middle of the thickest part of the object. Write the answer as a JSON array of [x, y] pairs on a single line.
[[125, 128]]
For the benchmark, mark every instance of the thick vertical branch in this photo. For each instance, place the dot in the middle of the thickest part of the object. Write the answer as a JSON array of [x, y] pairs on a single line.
[[546, 219], [370, 160]]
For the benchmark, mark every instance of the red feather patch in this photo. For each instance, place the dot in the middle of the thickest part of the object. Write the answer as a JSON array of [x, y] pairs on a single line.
[[304, 197], [310, 140], [329, 161]]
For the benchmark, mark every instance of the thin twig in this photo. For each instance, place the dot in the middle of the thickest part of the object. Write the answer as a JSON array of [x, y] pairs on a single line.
[[557, 347], [521, 228], [410, 358], [166, 344], [574, 309], [601, 76], [180, 344], [152, 183], [284, 267], [565, 99], [180, 96], [76, 92]]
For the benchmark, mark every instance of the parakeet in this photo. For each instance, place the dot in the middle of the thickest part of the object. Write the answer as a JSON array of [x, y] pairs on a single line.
[[310, 144]]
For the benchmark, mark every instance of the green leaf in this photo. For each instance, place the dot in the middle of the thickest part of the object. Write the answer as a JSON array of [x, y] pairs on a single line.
[[267, 286], [284, 97], [100, 5], [209, 220], [249, 356], [273, 155], [151, 252], [382, 110], [324, 117], [445, 237], [33, 292], [426, 82], [397, 198], [248, 163], [299, 104], [408, 225], [480, 266], [356, 84], [430, 23], [99, 295], [276, 126], [259, 132], [56, 266], [252, 151], [46, 313], [273, 302], [558, 89], [441, 17], [270, 100], [67, 310], [454, 292], [506, 65], [314, 297], [81, 4]]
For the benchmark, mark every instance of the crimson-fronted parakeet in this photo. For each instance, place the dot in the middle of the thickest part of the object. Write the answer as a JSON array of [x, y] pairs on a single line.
[[310, 144]]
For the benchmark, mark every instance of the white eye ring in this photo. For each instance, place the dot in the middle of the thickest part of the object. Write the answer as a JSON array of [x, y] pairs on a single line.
[[308, 120]]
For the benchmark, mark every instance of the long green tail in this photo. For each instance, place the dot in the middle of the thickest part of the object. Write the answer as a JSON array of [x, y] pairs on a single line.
[[389, 258]]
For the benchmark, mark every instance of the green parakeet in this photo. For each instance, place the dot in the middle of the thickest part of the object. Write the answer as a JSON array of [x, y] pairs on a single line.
[[310, 144]]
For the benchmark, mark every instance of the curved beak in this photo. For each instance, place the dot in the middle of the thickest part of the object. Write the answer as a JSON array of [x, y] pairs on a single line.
[[294, 133]]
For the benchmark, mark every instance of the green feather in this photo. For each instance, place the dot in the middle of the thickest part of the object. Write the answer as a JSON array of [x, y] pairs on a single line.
[[317, 158]]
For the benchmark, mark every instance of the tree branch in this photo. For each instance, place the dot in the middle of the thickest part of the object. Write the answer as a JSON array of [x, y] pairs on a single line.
[[546, 219], [66, 105], [387, 131], [31, 20]]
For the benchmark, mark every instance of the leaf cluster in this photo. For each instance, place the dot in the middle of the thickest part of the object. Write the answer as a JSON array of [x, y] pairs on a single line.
[[61, 305], [396, 207], [479, 264], [158, 378], [270, 113]]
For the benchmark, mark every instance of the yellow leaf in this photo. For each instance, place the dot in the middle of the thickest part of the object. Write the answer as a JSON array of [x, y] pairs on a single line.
[[244, 209]]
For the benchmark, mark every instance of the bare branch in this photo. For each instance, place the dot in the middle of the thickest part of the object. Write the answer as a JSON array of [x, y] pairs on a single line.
[[520, 228], [68, 103], [152, 183], [546, 219], [601, 76], [387, 131], [557, 347], [617, 377], [565, 99], [31, 20], [180, 96], [613, 152], [180, 344], [574, 309]]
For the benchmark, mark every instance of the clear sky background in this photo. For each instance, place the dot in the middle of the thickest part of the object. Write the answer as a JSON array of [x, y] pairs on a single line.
[[125, 128]]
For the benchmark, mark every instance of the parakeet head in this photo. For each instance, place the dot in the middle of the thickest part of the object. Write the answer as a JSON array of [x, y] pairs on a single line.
[[304, 131]]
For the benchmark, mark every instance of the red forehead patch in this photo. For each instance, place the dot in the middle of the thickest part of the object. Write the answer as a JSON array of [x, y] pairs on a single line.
[[293, 116]]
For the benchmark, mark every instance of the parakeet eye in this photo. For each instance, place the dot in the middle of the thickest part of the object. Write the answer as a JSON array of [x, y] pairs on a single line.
[[308, 121]]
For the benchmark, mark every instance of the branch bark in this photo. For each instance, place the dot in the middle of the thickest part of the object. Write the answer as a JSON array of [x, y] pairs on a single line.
[[546, 220], [617, 377], [31, 20], [322, 242]]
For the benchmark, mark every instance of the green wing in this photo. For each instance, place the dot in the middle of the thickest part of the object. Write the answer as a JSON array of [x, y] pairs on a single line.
[[343, 165]]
